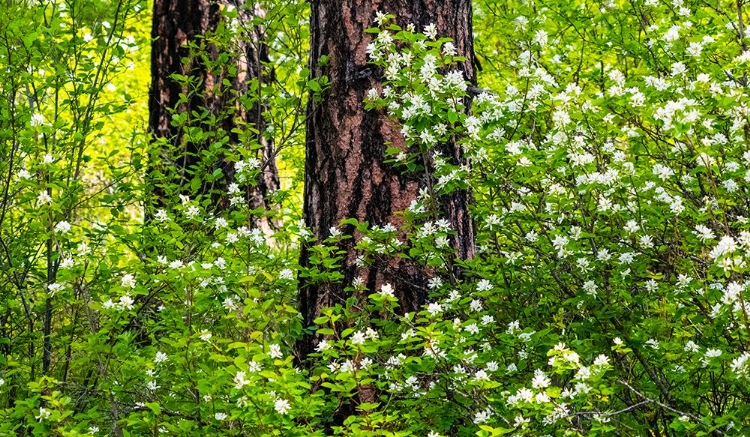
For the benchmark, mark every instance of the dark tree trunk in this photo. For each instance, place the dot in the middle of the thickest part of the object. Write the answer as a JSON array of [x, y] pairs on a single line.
[[175, 24], [345, 176]]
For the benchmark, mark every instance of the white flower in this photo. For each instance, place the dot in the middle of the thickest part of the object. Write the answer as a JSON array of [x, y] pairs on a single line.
[[678, 68], [590, 288], [430, 31], [324, 345], [192, 212], [482, 416], [371, 333], [381, 18], [67, 262], [44, 414], [532, 236], [126, 303], [646, 241], [713, 353], [62, 228], [44, 198], [176, 264], [540, 380], [739, 364], [229, 304], [161, 215], [690, 346], [449, 49], [161, 357], [435, 283], [631, 226], [472, 328], [37, 119], [513, 327], [540, 37], [583, 373], [387, 290], [481, 375], [730, 185], [484, 285], [601, 360], [358, 338], [434, 309], [54, 288], [286, 275], [672, 34], [240, 381], [128, 281], [727, 245], [475, 305], [220, 416], [220, 223], [220, 263], [626, 258], [281, 406], [703, 233], [205, 335], [274, 351]]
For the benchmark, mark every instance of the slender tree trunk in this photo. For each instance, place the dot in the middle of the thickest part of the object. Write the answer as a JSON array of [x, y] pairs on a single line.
[[345, 176], [253, 77], [175, 24]]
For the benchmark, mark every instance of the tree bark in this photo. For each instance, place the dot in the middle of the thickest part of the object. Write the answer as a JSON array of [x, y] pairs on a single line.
[[345, 176], [175, 24]]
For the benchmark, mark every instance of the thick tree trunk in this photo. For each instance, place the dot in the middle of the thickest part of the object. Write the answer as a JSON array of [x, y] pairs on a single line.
[[175, 24], [345, 176]]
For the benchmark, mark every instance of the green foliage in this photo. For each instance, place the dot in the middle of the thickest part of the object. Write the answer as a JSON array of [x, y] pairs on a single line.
[[608, 165]]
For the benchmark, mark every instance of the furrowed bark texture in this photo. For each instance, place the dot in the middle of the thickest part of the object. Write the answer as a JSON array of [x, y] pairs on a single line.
[[345, 176], [175, 23]]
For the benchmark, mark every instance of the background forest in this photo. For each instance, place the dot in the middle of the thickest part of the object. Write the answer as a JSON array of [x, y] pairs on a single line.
[[374, 218]]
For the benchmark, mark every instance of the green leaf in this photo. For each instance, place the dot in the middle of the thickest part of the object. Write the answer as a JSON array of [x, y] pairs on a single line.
[[154, 406], [314, 86]]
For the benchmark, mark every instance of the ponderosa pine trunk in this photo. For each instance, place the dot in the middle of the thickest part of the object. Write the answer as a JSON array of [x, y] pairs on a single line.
[[175, 24], [345, 174]]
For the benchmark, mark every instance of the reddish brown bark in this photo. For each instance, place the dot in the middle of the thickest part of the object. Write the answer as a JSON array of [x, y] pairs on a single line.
[[175, 24], [345, 176]]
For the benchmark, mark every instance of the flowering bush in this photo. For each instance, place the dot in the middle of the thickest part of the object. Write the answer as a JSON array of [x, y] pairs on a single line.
[[609, 167]]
